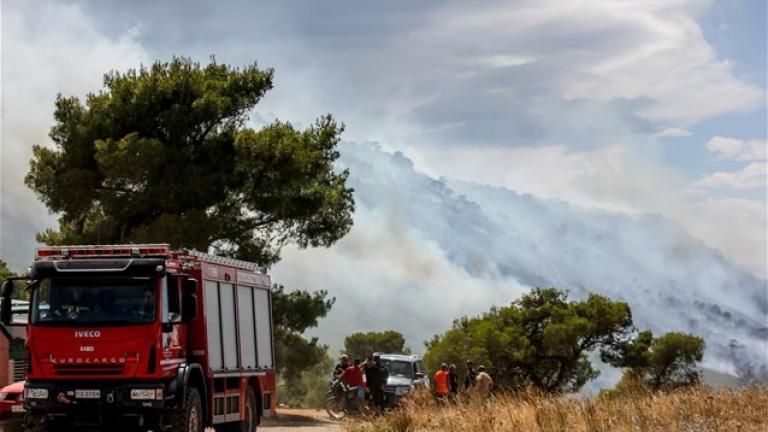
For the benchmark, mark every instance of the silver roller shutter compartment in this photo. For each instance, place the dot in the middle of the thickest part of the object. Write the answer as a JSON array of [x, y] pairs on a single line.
[[212, 324], [228, 324], [247, 329], [263, 328]]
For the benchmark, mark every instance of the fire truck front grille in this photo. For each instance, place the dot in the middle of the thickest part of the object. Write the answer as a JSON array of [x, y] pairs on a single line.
[[91, 370]]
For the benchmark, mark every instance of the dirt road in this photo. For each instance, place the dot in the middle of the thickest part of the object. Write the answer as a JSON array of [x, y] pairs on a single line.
[[304, 420]]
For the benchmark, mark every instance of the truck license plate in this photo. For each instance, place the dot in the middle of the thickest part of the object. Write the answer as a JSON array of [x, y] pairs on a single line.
[[17, 408], [87, 394]]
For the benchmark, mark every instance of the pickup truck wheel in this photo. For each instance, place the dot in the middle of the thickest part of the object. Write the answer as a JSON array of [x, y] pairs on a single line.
[[251, 417], [189, 417]]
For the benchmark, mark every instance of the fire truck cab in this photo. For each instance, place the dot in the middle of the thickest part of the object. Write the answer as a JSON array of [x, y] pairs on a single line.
[[142, 337]]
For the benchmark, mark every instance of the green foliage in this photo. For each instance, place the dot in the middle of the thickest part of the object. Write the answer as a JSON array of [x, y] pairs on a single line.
[[299, 310], [360, 345], [661, 363], [542, 339], [18, 350], [629, 353], [293, 313], [5, 272], [308, 389], [19, 293], [162, 154], [673, 360]]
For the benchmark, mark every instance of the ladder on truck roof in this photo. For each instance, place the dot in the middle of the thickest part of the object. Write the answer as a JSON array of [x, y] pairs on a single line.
[[232, 262], [138, 250]]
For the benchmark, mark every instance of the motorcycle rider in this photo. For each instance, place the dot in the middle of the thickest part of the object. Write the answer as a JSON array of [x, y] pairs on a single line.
[[353, 377], [341, 366]]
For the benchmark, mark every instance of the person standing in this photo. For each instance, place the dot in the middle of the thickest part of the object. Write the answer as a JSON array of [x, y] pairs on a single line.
[[469, 379], [373, 379], [442, 388], [453, 381], [383, 377], [483, 383]]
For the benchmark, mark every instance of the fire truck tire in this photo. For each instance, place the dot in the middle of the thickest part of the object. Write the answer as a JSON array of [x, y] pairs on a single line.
[[251, 417], [189, 417]]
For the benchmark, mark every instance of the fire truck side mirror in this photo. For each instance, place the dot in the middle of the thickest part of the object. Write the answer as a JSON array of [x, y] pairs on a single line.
[[189, 309], [190, 286], [7, 292]]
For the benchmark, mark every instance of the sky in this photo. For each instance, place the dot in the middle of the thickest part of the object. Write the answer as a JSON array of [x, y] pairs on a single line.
[[654, 107]]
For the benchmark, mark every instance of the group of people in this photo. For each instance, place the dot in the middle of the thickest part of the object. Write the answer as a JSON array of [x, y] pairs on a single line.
[[477, 381], [376, 376], [445, 387]]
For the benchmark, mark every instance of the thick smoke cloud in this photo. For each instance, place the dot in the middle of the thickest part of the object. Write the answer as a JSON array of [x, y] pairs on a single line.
[[425, 251], [47, 48]]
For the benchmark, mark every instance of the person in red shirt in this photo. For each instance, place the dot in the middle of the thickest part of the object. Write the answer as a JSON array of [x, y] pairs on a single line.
[[442, 389], [353, 377]]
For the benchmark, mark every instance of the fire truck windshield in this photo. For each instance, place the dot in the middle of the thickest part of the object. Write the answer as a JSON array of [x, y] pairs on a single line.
[[94, 300]]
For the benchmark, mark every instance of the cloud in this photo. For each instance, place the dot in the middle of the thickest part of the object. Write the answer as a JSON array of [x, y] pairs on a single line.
[[753, 176], [619, 178], [47, 48], [673, 133], [652, 52], [736, 226], [588, 83], [740, 150], [522, 73]]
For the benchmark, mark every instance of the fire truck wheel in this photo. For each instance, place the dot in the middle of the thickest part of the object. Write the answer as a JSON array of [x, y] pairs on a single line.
[[189, 418], [251, 417], [251, 414]]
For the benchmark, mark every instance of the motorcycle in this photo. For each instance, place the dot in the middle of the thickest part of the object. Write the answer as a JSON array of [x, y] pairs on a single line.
[[342, 400]]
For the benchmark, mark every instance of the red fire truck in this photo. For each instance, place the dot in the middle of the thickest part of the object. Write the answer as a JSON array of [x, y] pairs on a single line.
[[146, 338]]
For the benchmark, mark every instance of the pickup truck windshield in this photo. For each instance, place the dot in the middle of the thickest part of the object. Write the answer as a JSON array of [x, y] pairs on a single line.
[[94, 300], [398, 368]]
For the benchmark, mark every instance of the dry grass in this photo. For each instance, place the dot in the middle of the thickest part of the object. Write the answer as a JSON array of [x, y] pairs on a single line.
[[698, 409]]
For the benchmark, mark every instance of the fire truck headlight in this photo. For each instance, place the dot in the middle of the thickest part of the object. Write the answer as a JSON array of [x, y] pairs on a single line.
[[147, 394], [35, 393]]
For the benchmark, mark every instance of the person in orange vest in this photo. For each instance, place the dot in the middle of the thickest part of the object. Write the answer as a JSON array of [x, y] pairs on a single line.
[[442, 389]]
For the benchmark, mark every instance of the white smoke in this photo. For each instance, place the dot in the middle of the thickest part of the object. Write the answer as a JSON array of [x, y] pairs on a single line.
[[425, 251], [47, 48]]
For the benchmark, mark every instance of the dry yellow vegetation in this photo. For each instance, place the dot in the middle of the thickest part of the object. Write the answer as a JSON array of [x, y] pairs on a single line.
[[692, 410]]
